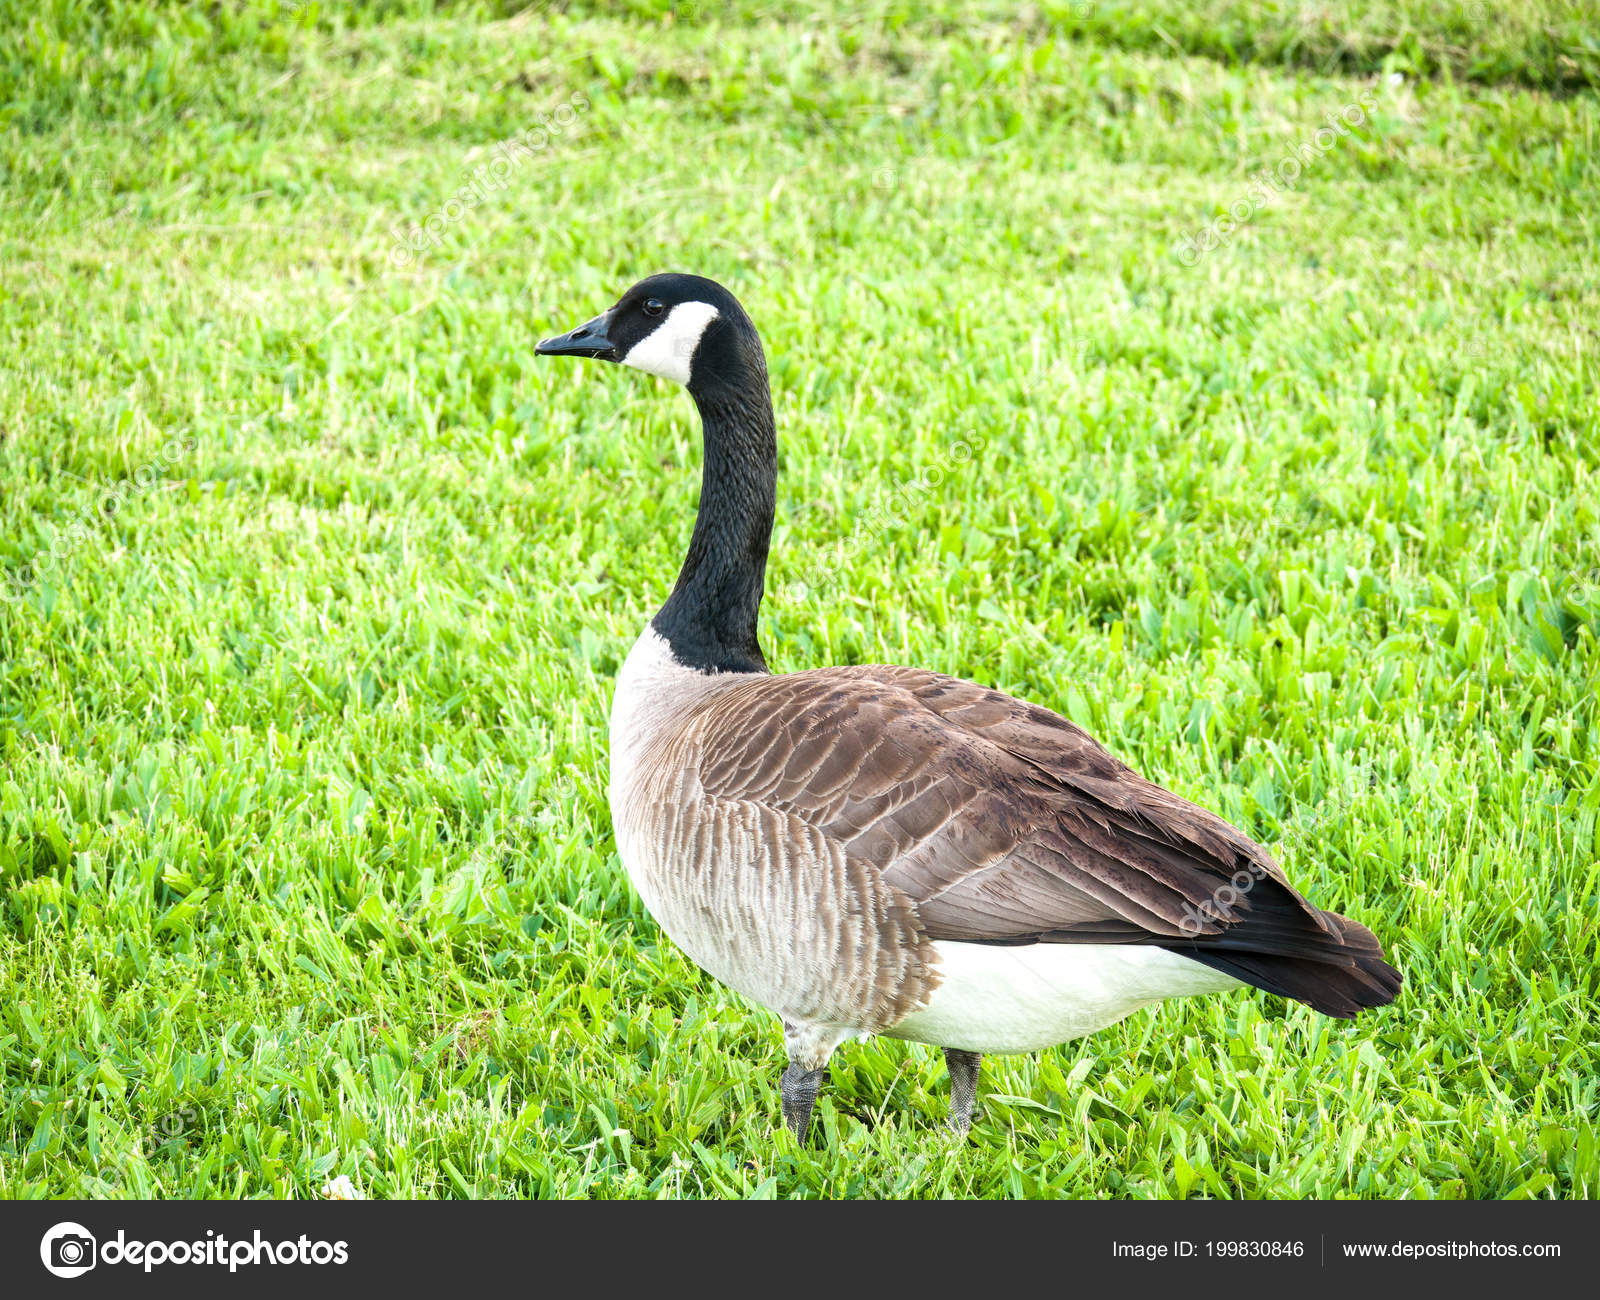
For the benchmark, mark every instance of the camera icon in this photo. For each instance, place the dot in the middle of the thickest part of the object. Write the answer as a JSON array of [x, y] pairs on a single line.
[[72, 1251], [68, 1250]]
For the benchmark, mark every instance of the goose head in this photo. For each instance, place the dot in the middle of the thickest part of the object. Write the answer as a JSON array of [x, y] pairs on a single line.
[[693, 331], [681, 327]]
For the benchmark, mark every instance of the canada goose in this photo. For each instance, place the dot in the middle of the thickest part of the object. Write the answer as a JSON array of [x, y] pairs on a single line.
[[877, 850]]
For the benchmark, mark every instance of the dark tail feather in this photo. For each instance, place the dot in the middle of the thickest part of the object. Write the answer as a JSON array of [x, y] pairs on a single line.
[[1338, 978]]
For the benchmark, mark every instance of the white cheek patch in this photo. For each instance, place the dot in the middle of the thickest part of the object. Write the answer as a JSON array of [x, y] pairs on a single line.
[[669, 348]]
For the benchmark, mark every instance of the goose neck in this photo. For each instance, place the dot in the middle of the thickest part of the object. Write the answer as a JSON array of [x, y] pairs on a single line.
[[710, 618]]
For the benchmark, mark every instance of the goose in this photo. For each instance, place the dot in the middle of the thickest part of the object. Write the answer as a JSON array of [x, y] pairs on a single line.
[[886, 850]]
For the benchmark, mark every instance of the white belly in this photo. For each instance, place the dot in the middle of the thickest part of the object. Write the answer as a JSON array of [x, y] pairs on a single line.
[[1023, 999]]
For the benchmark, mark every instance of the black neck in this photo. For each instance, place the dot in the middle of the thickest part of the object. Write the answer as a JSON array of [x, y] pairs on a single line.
[[710, 618]]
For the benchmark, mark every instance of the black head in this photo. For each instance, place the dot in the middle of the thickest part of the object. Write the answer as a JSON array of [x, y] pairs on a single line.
[[682, 327], [692, 330]]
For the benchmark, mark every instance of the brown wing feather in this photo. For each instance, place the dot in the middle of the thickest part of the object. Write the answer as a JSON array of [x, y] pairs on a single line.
[[1006, 823], [1000, 819]]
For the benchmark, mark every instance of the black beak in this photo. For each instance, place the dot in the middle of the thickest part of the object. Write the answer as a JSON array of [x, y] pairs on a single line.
[[588, 340]]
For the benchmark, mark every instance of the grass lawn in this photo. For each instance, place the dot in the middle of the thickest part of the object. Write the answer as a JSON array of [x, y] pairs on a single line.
[[313, 581]]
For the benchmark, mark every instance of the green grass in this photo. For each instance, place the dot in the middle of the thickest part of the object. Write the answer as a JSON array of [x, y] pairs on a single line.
[[313, 581]]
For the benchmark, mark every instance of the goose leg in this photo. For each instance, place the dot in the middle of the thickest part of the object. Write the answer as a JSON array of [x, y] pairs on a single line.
[[799, 1088], [963, 1067], [809, 1047]]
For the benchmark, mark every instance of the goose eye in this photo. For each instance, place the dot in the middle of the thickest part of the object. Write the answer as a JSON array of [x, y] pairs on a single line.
[[654, 307]]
